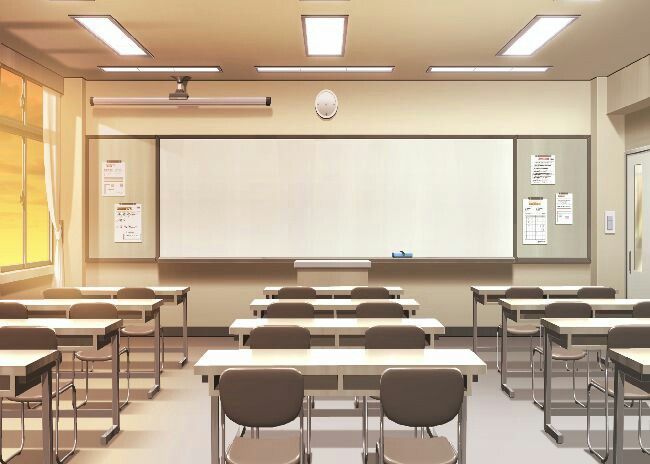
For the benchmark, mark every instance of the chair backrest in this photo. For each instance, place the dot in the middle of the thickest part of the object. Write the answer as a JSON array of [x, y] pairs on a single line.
[[421, 397], [631, 336], [268, 397], [528, 293], [93, 311], [380, 310], [641, 309], [136, 293], [283, 337], [290, 310], [297, 293], [396, 337], [596, 292], [567, 309], [62, 293], [369, 293], [27, 338], [11, 310]]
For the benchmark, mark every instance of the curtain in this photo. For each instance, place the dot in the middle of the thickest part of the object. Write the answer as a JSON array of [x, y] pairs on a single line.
[[51, 155]]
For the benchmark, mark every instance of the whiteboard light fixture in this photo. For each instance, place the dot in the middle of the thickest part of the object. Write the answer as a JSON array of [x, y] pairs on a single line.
[[536, 34], [113, 34], [325, 69], [325, 35], [488, 69]]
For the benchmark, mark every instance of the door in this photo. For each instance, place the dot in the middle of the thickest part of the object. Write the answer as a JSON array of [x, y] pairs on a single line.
[[638, 225]]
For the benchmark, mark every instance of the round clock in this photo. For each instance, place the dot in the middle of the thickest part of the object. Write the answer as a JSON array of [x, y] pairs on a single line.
[[326, 104]]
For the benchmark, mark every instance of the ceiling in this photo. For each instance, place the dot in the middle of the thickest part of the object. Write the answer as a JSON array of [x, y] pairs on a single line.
[[409, 34]]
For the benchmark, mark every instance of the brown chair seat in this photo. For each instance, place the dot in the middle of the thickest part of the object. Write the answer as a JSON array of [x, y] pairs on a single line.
[[632, 392], [137, 331], [562, 354], [435, 450], [95, 355], [273, 450], [35, 395], [523, 330]]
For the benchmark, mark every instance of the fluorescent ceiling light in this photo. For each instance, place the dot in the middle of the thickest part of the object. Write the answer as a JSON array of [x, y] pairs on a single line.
[[536, 33], [111, 32], [162, 69], [325, 35], [487, 69], [325, 69]]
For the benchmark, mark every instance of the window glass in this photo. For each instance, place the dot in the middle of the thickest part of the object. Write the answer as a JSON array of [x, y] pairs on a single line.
[[11, 93], [33, 104], [11, 209], [38, 223], [638, 217]]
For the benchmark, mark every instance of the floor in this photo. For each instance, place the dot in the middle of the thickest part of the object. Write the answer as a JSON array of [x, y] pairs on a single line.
[[174, 427]]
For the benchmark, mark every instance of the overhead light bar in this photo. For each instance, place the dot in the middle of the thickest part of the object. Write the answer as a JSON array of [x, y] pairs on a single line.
[[536, 34], [161, 69], [325, 69], [325, 35], [112, 33], [488, 69]]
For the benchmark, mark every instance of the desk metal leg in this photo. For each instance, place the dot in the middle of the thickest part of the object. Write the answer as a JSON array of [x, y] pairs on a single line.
[[548, 390], [619, 415], [215, 435], [462, 432], [115, 403], [46, 391], [309, 398], [183, 361], [504, 355], [364, 427], [474, 325], [156, 356]]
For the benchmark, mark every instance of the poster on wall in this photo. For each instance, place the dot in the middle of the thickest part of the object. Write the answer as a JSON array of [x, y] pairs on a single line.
[[114, 178], [564, 208], [535, 221], [128, 223], [542, 169]]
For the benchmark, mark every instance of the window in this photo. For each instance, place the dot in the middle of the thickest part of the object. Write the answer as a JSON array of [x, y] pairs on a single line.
[[25, 234]]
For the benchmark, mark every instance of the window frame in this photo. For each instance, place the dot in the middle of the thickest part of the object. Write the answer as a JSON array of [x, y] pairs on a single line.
[[25, 132]]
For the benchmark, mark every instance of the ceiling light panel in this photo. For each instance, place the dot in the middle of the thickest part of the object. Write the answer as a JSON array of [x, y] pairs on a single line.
[[325, 35], [536, 34], [161, 69], [488, 69], [325, 69], [111, 32]]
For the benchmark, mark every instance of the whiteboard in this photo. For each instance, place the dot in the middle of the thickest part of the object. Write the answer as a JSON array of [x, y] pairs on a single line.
[[336, 198]]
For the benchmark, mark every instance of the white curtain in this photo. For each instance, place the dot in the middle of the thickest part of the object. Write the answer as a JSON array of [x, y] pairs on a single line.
[[51, 156]]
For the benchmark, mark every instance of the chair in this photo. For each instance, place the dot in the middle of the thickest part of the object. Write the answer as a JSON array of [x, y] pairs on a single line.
[[290, 310], [420, 398], [98, 311], [63, 293], [620, 337], [10, 310], [379, 310], [522, 330], [257, 398], [596, 292], [557, 311], [641, 309], [37, 338], [128, 332], [370, 293], [296, 293], [286, 337]]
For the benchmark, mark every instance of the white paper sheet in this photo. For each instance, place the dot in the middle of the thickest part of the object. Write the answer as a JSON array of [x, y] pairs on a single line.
[[564, 208], [114, 178], [128, 223], [535, 221], [542, 169]]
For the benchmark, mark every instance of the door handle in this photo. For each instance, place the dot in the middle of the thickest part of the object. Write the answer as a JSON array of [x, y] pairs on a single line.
[[629, 261]]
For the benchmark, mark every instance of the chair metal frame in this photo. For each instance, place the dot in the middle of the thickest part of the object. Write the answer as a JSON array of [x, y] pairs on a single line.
[[539, 350]]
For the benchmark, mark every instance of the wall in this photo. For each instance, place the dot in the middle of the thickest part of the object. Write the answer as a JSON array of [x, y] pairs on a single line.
[[637, 129]]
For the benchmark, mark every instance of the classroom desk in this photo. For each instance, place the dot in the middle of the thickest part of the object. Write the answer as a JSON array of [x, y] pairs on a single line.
[[335, 306], [132, 310], [491, 294], [82, 334], [334, 291], [22, 369], [523, 309], [338, 328], [584, 334], [173, 295], [629, 362], [335, 372]]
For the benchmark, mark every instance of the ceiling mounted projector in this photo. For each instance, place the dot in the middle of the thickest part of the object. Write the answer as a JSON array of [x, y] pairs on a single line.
[[180, 97]]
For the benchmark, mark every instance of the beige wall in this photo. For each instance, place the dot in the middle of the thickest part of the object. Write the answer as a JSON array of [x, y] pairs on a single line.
[[637, 129]]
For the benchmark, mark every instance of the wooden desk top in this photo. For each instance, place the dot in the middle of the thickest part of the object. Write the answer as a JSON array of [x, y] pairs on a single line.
[[339, 290], [160, 291], [636, 359], [22, 363], [71, 327], [342, 326], [332, 304], [590, 326], [596, 304], [559, 290], [53, 304], [351, 361]]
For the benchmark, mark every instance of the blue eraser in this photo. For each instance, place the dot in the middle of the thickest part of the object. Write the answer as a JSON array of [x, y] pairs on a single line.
[[402, 254]]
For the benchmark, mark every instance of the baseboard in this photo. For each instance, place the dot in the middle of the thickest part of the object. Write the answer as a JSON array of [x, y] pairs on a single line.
[[223, 332]]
